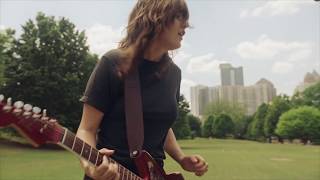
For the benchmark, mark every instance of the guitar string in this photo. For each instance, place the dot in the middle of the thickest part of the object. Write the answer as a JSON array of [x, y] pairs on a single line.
[[99, 156]]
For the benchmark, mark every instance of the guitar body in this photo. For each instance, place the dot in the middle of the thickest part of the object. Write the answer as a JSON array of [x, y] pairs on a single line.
[[150, 170]]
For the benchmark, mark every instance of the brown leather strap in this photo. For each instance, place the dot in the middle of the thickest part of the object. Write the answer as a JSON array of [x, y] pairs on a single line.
[[134, 115]]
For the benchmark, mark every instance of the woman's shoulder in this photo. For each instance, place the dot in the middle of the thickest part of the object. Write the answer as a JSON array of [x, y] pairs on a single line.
[[112, 55], [174, 66]]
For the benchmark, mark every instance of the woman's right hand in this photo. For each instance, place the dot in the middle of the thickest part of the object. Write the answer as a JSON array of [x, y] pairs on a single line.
[[105, 171]]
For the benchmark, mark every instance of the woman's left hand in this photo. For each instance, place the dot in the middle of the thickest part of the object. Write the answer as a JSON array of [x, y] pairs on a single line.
[[194, 163]]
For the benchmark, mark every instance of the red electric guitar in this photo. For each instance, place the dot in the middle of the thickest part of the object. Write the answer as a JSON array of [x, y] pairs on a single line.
[[40, 129]]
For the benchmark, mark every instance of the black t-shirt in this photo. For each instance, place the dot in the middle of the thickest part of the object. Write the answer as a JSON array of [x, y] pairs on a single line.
[[105, 92]]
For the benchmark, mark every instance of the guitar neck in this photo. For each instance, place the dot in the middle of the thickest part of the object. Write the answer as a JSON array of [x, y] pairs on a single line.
[[74, 144]]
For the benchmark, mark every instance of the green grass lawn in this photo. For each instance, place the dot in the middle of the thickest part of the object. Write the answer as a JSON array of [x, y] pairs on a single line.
[[228, 160]]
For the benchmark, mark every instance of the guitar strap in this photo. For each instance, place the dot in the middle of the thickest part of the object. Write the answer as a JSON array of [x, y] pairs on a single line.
[[133, 112]]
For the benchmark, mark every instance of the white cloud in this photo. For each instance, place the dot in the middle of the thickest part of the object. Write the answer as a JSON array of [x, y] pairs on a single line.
[[276, 8], [265, 48], [102, 38], [282, 67], [299, 55], [180, 57], [205, 63]]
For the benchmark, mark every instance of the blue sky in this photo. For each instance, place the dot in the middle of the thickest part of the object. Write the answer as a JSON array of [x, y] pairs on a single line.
[[278, 40]]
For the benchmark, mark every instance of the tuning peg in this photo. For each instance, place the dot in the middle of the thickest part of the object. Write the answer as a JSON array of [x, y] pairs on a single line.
[[44, 115], [9, 101], [17, 107], [27, 108], [1, 97], [8, 106], [36, 110], [18, 104]]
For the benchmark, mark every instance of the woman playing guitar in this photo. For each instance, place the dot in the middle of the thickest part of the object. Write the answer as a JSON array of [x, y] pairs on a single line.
[[154, 28]]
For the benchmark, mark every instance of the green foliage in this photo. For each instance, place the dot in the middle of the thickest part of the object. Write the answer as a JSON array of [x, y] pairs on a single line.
[[207, 130], [256, 128], [302, 122], [181, 126], [241, 127], [6, 44], [309, 97], [195, 125], [222, 126], [235, 110], [49, 68], [279, 105]]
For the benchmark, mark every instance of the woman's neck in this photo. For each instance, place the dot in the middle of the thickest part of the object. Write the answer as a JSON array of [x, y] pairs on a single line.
[[154, 52]]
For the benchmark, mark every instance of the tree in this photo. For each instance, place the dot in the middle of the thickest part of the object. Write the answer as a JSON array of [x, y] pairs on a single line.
[[241, 127], [195, 125], [207, 130], [279, 105], [235, 110], [181, 126], [302, 122], [49, 68], [222, 126], [256, 129], [309, 97], [6, 44]]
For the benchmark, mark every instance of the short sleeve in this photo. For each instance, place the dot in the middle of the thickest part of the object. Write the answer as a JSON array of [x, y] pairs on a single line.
[[97, 92], [178, 86]]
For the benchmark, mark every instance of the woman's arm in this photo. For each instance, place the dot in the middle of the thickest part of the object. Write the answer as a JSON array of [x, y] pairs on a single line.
[[90, 121], [193, 163], [172, 147]]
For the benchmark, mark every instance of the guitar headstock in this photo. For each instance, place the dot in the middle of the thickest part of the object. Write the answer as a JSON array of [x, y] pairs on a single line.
[[31, 122]]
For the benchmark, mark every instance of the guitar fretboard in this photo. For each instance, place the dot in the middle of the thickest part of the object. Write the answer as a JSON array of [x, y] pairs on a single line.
[[91, 154]]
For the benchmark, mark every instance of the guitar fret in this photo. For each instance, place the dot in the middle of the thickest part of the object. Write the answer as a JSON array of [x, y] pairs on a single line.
[[90, 153], [99, 159], [69, 139], [75, 138], [121, 172], [64, 135], [86, 151], [78, 145], [93, 157], [125, 175]]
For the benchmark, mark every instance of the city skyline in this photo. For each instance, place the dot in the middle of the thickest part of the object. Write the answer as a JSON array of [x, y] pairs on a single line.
[[232, 90], [275, 40]]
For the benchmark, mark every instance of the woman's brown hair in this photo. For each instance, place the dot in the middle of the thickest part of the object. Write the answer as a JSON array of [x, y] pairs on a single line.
[[147, 20]]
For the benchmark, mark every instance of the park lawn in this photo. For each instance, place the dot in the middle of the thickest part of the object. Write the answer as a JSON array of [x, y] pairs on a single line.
[[228, 160]]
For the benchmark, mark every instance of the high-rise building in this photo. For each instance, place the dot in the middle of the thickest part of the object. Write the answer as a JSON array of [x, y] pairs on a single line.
[[199, 99], [232, 91], [261, 92], [231, 76], [309, 80]]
